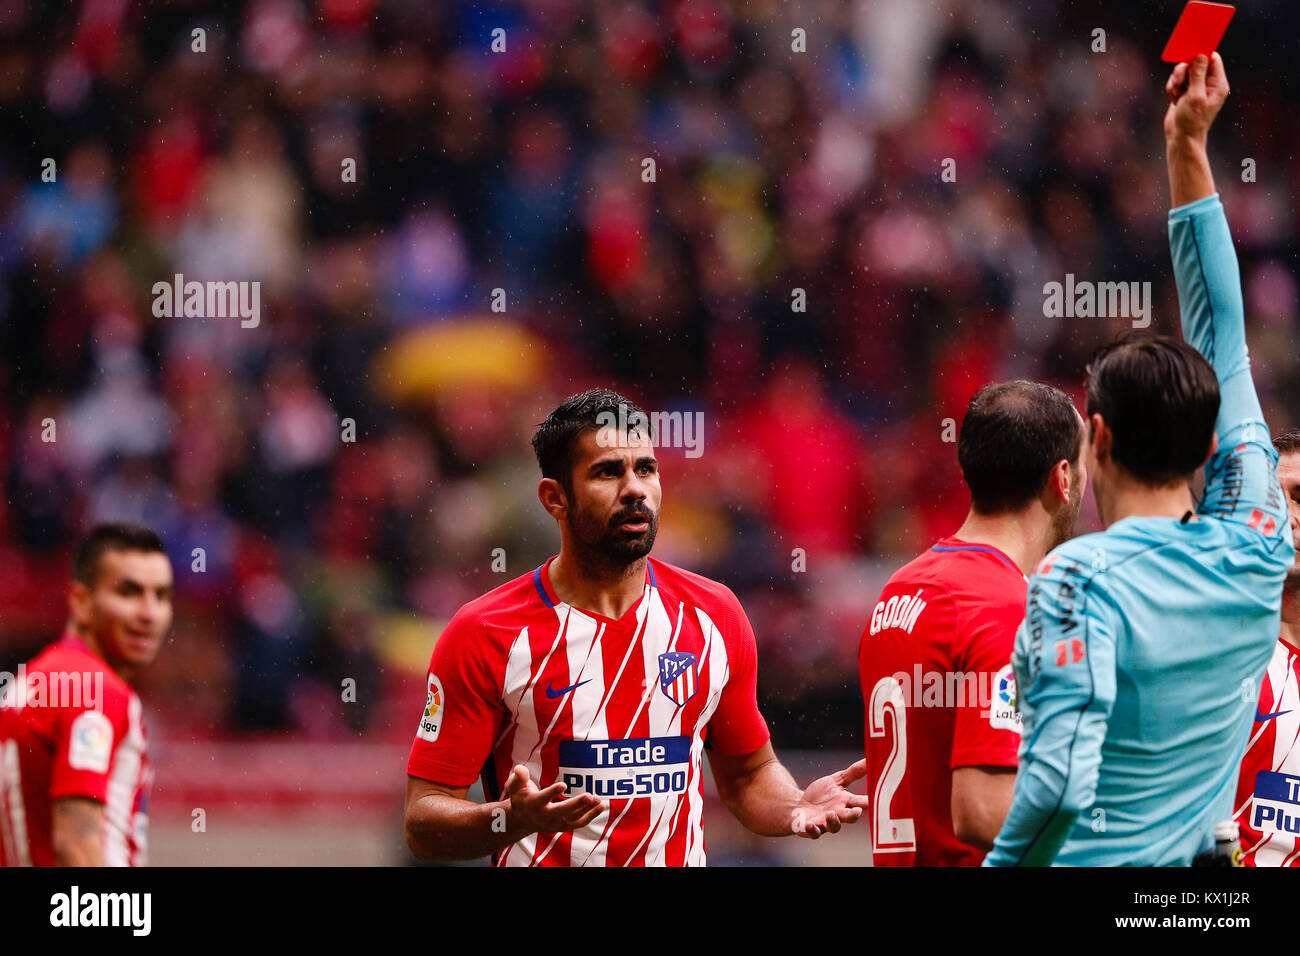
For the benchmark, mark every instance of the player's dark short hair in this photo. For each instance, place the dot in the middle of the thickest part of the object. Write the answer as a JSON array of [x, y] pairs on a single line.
[[111, 536], [1013, 434], [1288, 442], [1160, 398], [556, 440]]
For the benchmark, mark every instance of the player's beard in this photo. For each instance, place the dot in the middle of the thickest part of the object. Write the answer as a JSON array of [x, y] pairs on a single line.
[[605, 542]]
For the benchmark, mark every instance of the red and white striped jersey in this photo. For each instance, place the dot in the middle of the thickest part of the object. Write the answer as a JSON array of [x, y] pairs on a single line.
[[70, 727], [1268, 790], [618, 708]]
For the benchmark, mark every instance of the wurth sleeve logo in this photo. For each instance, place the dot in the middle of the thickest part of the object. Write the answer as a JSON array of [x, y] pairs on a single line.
[[1069, 652]]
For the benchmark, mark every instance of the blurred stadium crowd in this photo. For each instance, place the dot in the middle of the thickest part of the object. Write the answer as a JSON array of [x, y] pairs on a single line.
[[324, 559]]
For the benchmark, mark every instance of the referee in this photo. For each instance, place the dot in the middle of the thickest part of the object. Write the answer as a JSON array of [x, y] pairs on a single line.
[[1143, 646]]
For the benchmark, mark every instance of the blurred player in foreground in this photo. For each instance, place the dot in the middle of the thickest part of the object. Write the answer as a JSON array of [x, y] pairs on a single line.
[[74, 773], [942, 728], [1141, 653], [1268, 793], [586, 690]]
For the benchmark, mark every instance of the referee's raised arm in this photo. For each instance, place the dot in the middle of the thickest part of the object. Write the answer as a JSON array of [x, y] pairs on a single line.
[[1205, 263], [1196, 93], [1240, 484]]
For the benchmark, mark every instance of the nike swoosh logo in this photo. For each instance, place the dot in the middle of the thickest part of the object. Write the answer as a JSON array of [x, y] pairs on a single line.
[[1260, 718], [552, 693]]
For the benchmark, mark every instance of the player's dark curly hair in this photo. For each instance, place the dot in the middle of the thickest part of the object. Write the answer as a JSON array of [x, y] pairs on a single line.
[[1013, 434], [1160, 398], [111, 536], [556, 438]]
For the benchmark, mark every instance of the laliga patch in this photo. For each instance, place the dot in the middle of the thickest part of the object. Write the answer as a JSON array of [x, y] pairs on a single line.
[[91, 743], [1003, 708], [1276, 804], [431, 719]]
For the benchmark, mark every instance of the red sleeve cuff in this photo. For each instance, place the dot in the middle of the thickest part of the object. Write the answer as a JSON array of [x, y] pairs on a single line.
[[738, 745], [436, 771], [86, 790], [984, 757]]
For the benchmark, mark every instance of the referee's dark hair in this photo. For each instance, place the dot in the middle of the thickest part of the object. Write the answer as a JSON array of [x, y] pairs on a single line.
[[1160, 397], [111, 536], [1013, 435]]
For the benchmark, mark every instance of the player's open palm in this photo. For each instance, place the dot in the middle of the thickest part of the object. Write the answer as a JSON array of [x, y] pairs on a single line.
[[1196, 93], [545, 810], [828, 803]]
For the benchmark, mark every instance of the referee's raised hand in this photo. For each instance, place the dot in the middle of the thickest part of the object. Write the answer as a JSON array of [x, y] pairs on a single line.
[[1196, 92]]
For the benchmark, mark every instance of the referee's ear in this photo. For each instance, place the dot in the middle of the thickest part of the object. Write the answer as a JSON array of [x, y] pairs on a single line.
[[1102, 437]]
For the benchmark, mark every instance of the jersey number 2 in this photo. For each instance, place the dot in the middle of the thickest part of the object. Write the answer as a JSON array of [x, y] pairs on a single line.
[[890, 835]]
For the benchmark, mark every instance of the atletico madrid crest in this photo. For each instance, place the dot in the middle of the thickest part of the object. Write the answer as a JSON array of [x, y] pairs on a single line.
[[677, 676]]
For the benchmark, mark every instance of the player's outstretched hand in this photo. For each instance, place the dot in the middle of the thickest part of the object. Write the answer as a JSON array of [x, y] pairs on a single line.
[[828, 803], [546, 811], [1196, 93]]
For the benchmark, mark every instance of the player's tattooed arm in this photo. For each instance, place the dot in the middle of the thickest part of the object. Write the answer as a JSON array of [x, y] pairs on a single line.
[[78, 832], [763, 796], [441, 824], [1196, 93]]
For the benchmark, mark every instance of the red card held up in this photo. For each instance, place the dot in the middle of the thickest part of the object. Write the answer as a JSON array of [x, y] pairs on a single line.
[[1198, 31]]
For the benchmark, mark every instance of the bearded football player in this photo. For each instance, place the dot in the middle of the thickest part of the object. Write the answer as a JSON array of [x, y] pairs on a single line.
[[586, 691]]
